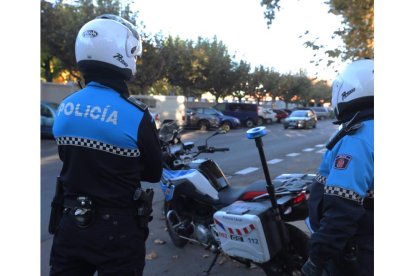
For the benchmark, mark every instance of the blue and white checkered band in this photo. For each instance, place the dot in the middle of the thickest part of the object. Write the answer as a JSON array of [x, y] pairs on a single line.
[[344, 193], [320, 178], [93, 144], [370, 194]]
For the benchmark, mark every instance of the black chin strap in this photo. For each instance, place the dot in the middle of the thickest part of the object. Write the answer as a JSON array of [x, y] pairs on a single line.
[[362, 115], [351, 125]]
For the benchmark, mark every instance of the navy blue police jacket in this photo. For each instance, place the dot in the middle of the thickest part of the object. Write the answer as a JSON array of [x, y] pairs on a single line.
[[107, 144], [345, 181]]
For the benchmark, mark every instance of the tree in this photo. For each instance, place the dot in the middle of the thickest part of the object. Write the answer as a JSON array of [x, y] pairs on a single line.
[[182, 67], [59, 26], [295, 88], [357, 30], [320, 92], [217, 68], [240, 76], [151, 66], [271, 84]]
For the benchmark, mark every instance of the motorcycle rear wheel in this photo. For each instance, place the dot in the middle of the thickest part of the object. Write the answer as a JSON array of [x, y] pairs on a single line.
[[177, 241], [295, 255]]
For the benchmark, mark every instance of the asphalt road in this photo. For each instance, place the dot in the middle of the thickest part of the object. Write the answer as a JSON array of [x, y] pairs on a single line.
[[287, 151]]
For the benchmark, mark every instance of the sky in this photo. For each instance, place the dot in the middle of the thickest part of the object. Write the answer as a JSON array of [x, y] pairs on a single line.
[[241, 26]]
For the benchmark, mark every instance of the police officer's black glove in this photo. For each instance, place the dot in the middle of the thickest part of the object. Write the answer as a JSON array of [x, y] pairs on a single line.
[[311, 269]]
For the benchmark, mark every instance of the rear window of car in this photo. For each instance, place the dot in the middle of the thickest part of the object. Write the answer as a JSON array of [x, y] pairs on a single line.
[[299, 113]]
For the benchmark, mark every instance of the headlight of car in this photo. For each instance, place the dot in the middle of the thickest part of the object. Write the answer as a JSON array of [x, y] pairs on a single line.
[[301, 121]]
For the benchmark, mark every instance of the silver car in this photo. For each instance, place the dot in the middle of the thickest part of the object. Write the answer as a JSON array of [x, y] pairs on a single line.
[[301, 119]]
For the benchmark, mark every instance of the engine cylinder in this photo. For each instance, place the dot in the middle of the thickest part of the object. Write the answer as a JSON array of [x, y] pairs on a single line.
[[202, 234]]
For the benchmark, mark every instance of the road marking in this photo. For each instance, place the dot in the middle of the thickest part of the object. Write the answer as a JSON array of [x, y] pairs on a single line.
[[321, 151], [308, 149], [320, 146], [293, 154], [274, 161], [247, 170]]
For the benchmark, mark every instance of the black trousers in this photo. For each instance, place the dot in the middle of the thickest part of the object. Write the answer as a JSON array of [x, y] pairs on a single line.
[[112, 245]]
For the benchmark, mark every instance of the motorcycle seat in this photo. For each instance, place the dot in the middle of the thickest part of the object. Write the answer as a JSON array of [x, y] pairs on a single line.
[[231, 193]]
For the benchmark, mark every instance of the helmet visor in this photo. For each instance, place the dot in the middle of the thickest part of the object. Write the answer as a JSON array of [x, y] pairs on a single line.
[[134, 44]]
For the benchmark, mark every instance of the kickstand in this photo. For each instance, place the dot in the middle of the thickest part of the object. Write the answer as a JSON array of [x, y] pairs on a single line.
[[207, 272]]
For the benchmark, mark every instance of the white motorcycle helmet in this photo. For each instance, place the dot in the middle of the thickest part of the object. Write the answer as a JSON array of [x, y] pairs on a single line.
[[108, 42], [353, 89]]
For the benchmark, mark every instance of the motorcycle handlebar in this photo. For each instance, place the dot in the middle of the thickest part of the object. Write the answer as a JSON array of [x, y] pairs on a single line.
[[203, 149]]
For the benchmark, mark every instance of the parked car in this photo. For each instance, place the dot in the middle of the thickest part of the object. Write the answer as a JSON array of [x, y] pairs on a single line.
[[280, 114], [202, 121], [266, 115], [304, 108], [301, 119], [227, 122], [321, 112], [287, 110], [247, 113], [48, 111]]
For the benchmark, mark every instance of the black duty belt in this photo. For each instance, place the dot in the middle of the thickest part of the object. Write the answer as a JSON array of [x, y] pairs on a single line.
[[72, 203]]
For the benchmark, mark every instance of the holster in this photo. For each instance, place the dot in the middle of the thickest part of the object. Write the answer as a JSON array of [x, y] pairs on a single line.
[[143, 200], [56, 211], [81, 210]]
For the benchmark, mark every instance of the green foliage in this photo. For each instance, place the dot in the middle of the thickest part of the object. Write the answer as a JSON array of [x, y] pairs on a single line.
[[150, 68], [320, 92], [216, 68], [269, 13], [180, 61], [357, 31]]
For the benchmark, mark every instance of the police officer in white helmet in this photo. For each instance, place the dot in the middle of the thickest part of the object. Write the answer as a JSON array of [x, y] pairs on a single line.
[[341, 203], [108, 144]]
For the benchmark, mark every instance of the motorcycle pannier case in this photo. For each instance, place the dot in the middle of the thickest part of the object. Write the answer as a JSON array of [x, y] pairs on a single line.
[[248, 230]]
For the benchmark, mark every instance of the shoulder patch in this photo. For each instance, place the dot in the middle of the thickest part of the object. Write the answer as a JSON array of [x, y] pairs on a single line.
[[137, 103], [342, 161]]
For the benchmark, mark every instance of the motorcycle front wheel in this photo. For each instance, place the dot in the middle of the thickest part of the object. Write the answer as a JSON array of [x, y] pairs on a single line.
[[175, 238], [294, 256]]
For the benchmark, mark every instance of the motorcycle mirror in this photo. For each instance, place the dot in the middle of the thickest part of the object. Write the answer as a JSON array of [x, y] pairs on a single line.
[[220, 130]]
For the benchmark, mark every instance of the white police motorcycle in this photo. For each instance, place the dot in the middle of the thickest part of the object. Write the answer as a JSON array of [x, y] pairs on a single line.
[[248, 224]]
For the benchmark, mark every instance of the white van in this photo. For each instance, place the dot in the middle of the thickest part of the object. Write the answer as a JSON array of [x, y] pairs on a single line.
[[168, 108]]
